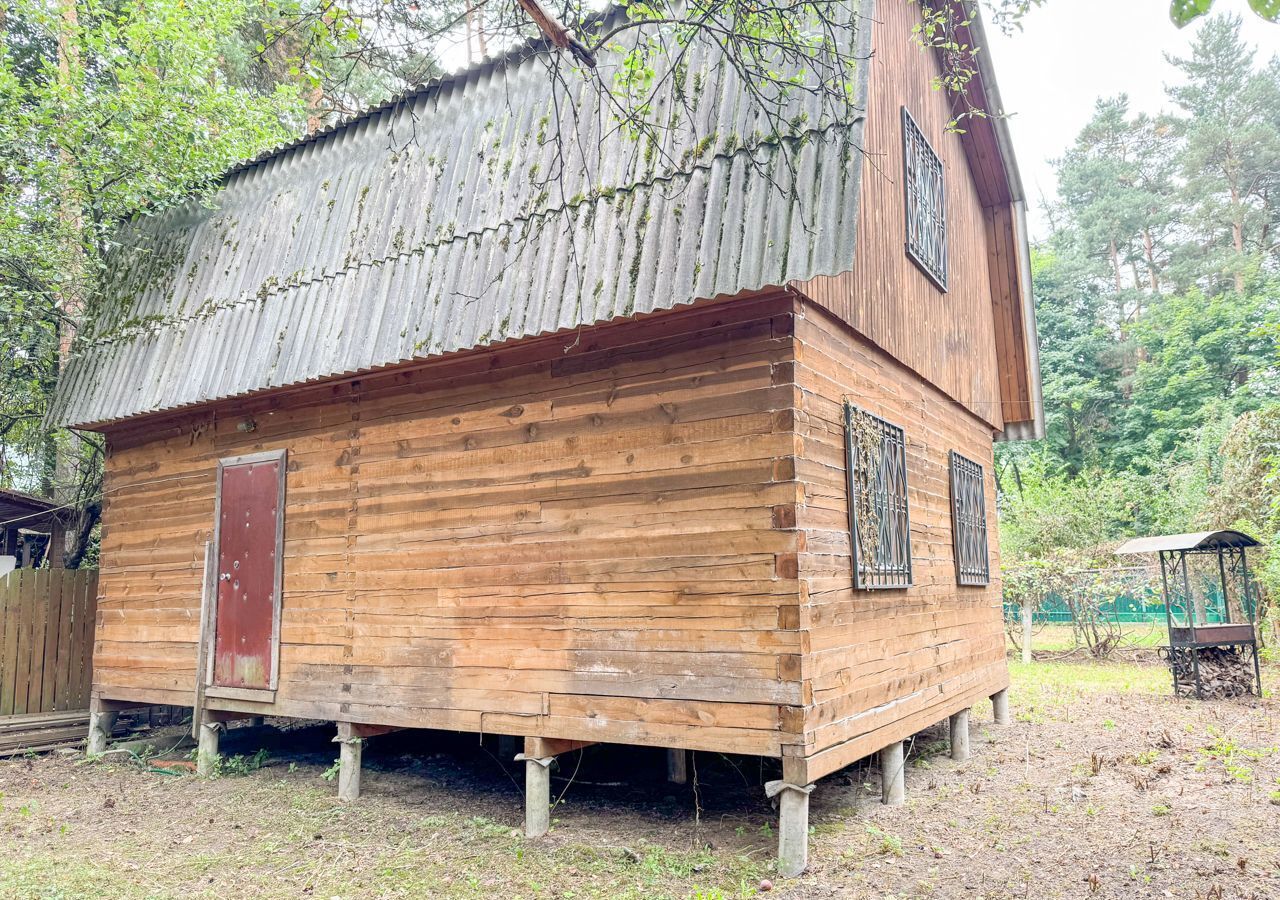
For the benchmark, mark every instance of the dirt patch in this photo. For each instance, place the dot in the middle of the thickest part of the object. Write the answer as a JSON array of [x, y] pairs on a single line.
[[1104, 787]]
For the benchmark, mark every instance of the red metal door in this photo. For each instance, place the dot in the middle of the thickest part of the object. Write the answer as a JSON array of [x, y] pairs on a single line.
[[249, 511]]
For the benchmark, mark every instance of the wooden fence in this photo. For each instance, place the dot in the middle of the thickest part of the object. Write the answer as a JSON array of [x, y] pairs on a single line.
[[46, 639]]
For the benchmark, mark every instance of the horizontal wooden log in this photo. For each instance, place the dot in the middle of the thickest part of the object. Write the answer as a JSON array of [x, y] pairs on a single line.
[[579, 546]]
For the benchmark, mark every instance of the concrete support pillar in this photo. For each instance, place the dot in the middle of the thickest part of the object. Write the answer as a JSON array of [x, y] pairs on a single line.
[[1027, 622], [960, 736], [793, 826], [207, 748], [101, 723], [678, 766], [893, 775], [1000, 707], [350, 750], [537, 795]]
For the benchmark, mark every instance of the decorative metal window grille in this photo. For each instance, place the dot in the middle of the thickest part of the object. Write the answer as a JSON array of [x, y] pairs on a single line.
[[926, 202], [969, 521], [879, 522]]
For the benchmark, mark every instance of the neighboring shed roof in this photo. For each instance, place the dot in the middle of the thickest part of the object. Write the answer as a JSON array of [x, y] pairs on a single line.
[[434, 224], [1197, 540], [19, 510]]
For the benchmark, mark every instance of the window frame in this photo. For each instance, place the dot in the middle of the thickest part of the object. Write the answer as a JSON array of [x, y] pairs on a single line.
[[968, 483], [913, 134], [899, 573]]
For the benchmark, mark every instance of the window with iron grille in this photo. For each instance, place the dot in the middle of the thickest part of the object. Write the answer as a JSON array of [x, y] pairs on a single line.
[[879, 523], [969, 521], [926, 203]]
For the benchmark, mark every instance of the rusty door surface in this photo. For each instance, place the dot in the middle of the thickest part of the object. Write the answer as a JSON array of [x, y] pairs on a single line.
[[249, 511]]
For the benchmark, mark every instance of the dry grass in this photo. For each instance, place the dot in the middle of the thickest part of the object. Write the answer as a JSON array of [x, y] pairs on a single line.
[[1105, 787]]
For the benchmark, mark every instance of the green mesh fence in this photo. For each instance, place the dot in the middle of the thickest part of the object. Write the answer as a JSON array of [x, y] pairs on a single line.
[[1142, 605]]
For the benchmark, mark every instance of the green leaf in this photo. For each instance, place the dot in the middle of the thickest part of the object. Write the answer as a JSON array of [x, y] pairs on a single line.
[[1183, 12], [1268, 9]]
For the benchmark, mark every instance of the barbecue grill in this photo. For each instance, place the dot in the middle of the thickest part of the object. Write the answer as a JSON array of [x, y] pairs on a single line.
[[1211, 608]]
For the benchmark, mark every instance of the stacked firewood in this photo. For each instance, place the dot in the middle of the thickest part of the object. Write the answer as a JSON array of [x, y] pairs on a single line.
[[1224, 672]]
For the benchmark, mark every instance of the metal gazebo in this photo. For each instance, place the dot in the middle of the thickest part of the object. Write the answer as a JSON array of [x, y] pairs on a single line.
[[1200, 618]]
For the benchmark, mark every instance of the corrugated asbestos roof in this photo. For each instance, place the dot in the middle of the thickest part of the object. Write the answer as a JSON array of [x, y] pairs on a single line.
[[445, 221]]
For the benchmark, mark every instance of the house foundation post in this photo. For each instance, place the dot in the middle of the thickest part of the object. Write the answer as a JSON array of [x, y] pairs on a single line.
[[678, 766], [1000, 707], [960, 736], [350, 751], [207, 747], [793, 825], [537, 794], [539, 753], [893, 775], [101, 723]]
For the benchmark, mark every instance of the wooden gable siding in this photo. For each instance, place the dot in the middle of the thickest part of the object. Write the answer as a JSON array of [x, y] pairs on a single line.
[[583, 537], [946, 337], [1004, 260], [885, 664]]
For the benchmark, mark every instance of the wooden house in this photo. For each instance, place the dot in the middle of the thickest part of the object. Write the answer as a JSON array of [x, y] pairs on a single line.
[[650, 451]]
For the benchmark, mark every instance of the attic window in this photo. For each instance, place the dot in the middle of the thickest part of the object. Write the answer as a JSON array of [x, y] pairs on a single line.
[[969, 521], [926, 203], [879, 523]]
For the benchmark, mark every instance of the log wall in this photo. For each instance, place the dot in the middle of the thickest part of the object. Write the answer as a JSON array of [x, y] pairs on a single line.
[[573, 537], [637, 534], [885, 664]]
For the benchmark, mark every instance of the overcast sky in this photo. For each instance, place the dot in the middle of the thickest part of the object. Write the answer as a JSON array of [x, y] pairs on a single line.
[[1070, 52]]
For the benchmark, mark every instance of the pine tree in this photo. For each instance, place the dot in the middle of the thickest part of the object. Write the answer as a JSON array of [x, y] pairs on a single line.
[[1231, 159]]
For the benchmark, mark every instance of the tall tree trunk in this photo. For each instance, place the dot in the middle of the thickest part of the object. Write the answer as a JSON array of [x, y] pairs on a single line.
[[66, 480], [315, 111], [471, 25], [482, 42], [71, 208], [1114, 253], [1153, 272], [1237, 236]]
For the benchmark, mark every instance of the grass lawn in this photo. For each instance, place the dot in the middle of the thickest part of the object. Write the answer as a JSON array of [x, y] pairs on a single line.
[[1105, 786], [1053, 638]]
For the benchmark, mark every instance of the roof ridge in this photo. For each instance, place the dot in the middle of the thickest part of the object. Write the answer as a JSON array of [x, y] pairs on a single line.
[[517, 53]]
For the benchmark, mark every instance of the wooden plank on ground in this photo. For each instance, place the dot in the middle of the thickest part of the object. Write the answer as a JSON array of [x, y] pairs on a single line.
[[38, 732], [10, 724]]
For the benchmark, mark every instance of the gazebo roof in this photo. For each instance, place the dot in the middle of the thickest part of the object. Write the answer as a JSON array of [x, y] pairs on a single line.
[[24, 511], [1196, 540]]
